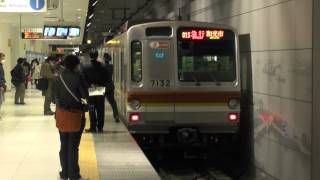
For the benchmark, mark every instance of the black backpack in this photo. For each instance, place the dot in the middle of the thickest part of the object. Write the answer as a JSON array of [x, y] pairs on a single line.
[[42, 84], [14, 78]]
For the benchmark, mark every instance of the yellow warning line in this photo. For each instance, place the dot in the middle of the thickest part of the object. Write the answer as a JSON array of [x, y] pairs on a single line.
[[87, 156]]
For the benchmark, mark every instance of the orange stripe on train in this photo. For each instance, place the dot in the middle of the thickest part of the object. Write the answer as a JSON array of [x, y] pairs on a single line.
[[183, 97]]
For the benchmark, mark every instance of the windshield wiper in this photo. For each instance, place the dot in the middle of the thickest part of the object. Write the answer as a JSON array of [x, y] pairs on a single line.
[[195, 79], [212, 79]]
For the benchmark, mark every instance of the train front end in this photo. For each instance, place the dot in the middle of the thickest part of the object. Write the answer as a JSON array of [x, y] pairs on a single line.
[[189, 88]]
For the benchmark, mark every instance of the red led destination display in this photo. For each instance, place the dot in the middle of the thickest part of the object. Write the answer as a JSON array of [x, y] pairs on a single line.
[[31, 35], [194, 34]]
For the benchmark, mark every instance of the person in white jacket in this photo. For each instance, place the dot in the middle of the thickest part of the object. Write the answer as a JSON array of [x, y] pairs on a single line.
[[35, 71]]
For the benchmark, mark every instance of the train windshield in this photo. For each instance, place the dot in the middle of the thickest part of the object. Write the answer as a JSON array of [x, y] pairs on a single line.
[[206, 55]]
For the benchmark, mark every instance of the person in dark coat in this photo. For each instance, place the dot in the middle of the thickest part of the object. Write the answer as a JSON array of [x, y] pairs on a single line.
[[110, 87], [95, 75], [70, 141], [18, 78], [3, 86]]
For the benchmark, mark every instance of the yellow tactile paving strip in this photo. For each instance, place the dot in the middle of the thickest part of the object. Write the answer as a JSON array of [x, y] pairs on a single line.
[[87, 156]]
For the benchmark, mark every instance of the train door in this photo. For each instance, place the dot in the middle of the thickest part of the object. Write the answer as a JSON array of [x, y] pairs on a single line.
[[122, 80], [159, 80]]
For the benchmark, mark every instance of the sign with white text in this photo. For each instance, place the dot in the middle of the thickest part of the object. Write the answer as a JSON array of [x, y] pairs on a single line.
[[23, 5]]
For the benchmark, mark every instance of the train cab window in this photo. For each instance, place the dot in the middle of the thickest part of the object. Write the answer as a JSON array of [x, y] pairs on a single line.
[[203, 57], [136, 61]]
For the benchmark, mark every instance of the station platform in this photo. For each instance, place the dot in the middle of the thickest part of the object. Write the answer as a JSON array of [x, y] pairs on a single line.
[[29, 146]]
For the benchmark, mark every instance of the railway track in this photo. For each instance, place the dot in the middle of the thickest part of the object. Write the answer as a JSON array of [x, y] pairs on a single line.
[[206, 174]]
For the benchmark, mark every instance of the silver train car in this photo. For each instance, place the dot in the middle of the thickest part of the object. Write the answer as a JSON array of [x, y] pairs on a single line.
[[178, 79]]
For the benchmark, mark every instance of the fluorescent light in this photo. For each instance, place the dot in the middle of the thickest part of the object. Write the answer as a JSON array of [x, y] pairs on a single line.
[[79, 17], [91, 16], [79, 9], [89, 24], [94, 3]]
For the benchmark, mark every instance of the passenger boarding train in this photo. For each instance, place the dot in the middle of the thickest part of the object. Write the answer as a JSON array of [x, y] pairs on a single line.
[[178, 79]]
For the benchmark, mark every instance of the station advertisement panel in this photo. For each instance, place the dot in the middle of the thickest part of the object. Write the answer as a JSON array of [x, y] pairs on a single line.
[[23, 5]]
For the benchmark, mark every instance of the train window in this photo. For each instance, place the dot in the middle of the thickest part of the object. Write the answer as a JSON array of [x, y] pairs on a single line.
[[158, 31], [136, 61], [206, 55]]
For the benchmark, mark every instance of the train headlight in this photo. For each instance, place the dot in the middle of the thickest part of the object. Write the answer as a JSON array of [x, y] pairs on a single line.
[[135, 104], [233, 103]]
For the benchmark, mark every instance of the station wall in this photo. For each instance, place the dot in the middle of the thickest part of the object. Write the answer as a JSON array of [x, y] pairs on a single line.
[[281, 50], [14, 47]]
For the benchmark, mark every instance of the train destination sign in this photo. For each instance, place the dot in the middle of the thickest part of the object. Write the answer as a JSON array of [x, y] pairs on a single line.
[[202, 34]]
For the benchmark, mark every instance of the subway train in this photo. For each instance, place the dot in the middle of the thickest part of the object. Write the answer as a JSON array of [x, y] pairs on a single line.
[[177, 81]]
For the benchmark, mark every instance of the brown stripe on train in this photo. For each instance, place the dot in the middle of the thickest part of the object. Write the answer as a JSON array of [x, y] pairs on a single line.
[[183, 97]]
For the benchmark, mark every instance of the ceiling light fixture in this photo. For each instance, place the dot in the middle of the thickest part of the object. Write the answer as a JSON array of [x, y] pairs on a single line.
[[91, 16], [89, 24], [94, 3], [79, 9]]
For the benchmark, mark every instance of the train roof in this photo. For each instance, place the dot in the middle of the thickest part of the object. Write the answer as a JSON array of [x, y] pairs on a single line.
[[166, 22]]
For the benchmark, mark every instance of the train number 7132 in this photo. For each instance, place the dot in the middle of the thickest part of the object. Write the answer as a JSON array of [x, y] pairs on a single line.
[[160, 83]]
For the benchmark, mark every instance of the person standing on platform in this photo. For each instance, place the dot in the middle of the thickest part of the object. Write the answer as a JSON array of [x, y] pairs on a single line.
[[26, 70], [69, 89], [18, 78], [110, 87], [35, 71], [3, 86], [95, 75], [47, 72]]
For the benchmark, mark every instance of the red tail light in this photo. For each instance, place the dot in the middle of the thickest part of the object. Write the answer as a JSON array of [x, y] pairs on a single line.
[[233, 117], [134, 117]]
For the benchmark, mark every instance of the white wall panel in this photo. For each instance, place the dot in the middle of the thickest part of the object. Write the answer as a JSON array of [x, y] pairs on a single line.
[[283, 26], [281, 162], [224, 9], [283, 73], [287, 122]]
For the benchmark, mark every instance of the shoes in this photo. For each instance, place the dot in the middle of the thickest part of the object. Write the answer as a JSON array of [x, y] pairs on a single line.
[[117, 119], [49, 113], [90, 130], [61, 178], [20, 103]]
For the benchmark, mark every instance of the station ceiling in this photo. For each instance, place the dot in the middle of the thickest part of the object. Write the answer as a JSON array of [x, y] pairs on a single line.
[[74, 13], [109, 15]]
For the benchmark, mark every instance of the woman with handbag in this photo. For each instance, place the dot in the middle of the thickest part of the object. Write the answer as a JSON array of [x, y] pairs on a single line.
[[69, 89]]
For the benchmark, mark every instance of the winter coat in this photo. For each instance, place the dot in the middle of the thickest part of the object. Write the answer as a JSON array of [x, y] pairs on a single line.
[[17, 75], [36, 71], [77, 86], [2, 77], [48, 73]]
